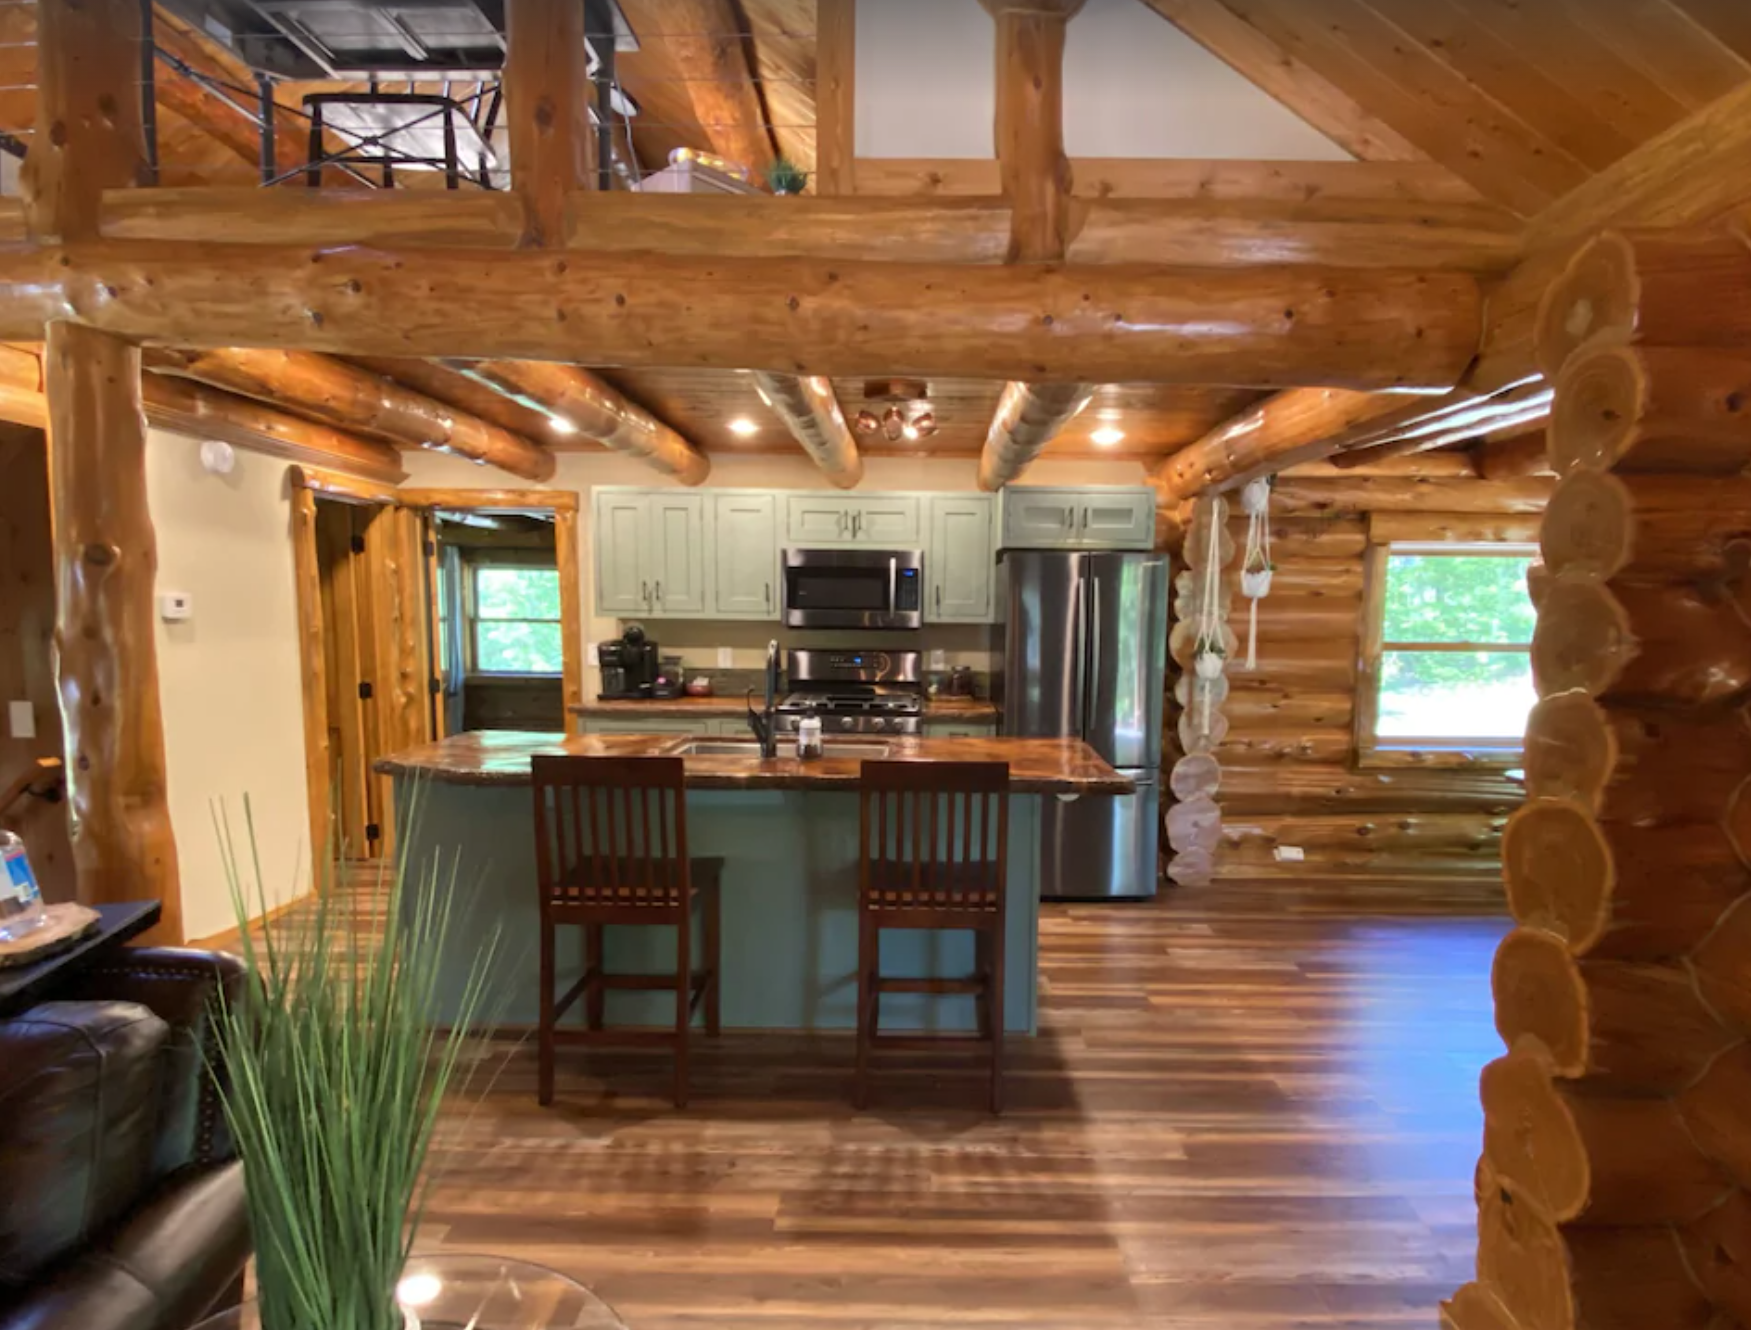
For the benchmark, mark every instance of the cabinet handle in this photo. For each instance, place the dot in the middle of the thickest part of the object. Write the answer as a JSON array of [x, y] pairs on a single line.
[[644, 593], [856, 524], [1085, 519], [1070, 519], [659, 595], [844, 520], [769, 595], [939, 597]]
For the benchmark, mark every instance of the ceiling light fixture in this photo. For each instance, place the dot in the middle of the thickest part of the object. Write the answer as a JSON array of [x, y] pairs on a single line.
[[905, 410], [742, 427], [1107, 435], [560, 425]]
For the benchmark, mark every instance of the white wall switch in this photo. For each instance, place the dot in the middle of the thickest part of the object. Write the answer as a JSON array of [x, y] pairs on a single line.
[[21, 720], [1289, 854], [176, 606], [726, 658]]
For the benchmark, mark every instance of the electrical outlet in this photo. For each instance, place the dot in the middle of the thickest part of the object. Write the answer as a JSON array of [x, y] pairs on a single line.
[[1289, 854], [938, 659], [726, 658]]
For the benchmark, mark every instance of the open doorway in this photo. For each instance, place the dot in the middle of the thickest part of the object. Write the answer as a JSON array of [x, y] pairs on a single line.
[[500, 639]]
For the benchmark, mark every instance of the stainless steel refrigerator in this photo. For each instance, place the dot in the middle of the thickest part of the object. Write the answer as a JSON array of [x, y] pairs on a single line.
[[1083, 650]]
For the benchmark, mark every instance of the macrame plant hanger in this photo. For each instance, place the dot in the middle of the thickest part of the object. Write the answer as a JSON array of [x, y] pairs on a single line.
[[1209, 656], [1255, 567]]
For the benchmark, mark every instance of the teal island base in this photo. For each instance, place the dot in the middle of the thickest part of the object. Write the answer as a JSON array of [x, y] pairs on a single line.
[[789, 911]]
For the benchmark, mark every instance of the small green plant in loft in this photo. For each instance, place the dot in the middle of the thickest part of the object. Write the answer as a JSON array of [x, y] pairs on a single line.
[[785, 177], [332, 1080]]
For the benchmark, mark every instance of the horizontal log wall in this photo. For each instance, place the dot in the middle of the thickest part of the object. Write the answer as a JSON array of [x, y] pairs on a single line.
[[1289, 769]]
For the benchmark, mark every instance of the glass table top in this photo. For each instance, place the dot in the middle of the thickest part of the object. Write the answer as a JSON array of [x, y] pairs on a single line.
[[463, 1292]]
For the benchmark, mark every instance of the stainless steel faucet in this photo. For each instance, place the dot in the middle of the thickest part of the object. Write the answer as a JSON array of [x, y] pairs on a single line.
[[765, 723]]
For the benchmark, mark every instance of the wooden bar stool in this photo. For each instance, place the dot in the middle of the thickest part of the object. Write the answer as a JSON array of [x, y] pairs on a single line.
[[611, 848], [933, 849]]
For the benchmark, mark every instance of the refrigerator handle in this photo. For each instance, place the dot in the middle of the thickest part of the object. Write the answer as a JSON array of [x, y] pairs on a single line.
[[1081, 612], [1091, 685]]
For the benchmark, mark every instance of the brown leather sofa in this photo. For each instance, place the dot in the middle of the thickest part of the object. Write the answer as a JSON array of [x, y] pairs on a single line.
[[121, 1202]]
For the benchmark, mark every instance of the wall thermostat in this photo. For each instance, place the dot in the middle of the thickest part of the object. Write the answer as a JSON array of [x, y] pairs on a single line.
[[175, 606]]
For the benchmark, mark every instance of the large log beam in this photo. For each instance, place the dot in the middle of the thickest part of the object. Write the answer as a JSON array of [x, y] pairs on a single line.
[[810, 410], [1264, 327], [547, 111], [595, 410], [348, 397], [1029, 416], [88, 128], [106, 655], [704, 40]]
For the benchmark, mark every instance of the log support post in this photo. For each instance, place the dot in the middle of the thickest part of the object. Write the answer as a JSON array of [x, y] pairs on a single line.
[[1035, 171], [1617, 1144], [547, 86], [106, 655]]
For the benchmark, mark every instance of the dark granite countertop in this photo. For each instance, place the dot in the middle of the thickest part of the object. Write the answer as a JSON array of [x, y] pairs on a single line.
[[501, 757]]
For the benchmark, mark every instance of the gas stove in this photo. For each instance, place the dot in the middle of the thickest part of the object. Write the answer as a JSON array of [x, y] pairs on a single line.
[[854, 692]]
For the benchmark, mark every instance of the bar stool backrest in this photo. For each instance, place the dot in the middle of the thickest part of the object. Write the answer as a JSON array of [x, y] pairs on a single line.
[[610, 831], [934, 836]]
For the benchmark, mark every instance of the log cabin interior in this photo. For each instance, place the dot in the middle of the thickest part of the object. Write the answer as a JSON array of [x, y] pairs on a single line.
[[396, 397]]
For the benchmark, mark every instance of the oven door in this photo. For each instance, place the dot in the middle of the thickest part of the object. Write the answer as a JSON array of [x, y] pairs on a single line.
[[853, 588]]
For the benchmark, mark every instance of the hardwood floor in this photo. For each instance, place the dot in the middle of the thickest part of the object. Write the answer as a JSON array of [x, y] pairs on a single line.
[[1250, 1106]]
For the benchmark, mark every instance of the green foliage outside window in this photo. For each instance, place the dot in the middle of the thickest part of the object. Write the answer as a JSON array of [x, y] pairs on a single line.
[[516, 621]]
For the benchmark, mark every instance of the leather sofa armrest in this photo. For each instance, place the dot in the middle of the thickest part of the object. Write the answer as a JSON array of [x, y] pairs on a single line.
[[180, 986]]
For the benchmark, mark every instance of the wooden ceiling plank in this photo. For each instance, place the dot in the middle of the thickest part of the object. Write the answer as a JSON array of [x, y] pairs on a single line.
[[706, 43], [597, 410], [347, 397], [809, 409], [1728, 21], [1680, 55], [1442, 112], [1515, 75], [1262, 327], [1288, 79], [1568, 55]]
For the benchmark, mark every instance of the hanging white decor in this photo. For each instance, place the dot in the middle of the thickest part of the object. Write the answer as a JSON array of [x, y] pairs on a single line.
[[1208, 657], [1255, 566]]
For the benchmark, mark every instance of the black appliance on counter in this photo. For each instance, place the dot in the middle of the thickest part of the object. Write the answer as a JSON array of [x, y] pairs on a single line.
[[854, 692], [628, 665]]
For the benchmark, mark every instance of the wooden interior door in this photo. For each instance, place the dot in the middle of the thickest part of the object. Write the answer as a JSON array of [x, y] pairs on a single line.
[[349, 648]]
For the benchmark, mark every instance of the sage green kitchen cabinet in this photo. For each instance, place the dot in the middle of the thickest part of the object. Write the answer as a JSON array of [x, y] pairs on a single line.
[[744, 556], [650, 554], [1041, 518], [960, 561], [883, 521]]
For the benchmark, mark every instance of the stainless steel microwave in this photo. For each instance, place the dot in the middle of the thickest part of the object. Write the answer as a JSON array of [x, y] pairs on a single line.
[[853, 588]]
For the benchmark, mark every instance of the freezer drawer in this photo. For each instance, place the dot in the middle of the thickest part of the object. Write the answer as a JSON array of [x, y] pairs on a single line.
[[1101, 847]]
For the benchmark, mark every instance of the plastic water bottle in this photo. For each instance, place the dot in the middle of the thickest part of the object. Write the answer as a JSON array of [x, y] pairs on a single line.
[[21, 902]]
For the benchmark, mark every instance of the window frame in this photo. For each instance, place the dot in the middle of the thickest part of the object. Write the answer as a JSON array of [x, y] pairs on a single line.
[[1414, 750], [473, 561]]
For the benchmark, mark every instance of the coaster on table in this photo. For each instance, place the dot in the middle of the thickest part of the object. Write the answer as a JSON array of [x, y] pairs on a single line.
[[65, 925]]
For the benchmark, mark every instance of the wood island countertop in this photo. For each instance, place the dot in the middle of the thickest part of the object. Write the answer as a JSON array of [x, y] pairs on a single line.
[[971, 709], [501, 757]]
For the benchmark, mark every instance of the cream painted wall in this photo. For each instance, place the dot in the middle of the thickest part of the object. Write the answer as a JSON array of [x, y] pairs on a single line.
[[698, 642], [229, 677], [1134, 86]]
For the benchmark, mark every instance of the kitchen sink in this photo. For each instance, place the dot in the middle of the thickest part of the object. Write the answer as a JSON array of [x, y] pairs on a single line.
[[854, 751]]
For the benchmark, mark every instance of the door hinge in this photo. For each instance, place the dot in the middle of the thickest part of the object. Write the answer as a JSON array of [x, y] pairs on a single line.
[[365, 691], [431, 548], [358, 543], [373, 831], [436, 685]]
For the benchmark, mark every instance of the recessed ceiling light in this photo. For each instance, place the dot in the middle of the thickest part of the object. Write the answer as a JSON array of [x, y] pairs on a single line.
[[742, 427], [560, 425], [1107, 435]]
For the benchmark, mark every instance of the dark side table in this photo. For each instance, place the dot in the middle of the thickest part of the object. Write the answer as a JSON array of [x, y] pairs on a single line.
[[26, 985]]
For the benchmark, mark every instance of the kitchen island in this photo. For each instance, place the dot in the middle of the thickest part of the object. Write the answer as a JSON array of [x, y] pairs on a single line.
[[788, 834]]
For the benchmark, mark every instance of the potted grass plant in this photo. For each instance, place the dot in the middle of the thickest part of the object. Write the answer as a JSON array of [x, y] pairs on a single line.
[[333, 1083]]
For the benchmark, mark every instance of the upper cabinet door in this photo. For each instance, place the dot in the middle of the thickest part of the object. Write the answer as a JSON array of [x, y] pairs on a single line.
[[886, 520], [622, 584], [1122, 519], [813, 520], [744, 556], [960, 564], [1035, 518], [676, 555]]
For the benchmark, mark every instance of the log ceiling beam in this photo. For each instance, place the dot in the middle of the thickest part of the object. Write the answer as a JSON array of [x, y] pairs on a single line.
[[88, 127], [1696, 174], [1266, 327], [348, 397], [810, 410], [704, 39], [547, 111], [596, 410]]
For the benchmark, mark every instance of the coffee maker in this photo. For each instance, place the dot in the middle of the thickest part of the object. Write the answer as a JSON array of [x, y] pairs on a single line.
[[628, 665]]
